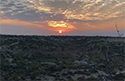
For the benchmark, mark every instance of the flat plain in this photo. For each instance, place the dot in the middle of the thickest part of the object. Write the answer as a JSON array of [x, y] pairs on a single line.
[[62, 58]]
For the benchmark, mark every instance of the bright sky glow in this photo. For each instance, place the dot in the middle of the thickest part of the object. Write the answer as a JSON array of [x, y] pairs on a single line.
[[60, 31], [66, 15]]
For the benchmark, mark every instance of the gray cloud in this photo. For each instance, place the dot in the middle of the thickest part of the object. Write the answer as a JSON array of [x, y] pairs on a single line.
[[61, 9], [25, 16], [6, 8], [82, 10], [9, 5], [78, 14]]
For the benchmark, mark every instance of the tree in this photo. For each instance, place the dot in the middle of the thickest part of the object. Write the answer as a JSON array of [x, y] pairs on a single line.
[[118, 31]]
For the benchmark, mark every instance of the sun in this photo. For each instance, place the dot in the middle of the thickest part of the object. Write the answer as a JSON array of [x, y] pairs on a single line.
[[60, 31]]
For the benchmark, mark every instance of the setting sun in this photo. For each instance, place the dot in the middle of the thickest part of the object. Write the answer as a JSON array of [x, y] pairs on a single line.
[[60, 31]]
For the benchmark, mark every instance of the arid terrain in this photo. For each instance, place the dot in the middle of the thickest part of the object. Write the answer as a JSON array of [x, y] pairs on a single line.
[[62, 58]]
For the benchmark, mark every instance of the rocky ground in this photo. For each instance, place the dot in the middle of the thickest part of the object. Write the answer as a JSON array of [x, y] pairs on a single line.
[[62, 58]]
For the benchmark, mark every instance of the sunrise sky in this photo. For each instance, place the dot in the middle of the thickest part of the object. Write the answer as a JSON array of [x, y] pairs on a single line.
[[70, 17]]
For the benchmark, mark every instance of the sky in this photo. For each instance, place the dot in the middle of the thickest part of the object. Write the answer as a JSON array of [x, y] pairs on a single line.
[[72, 17]]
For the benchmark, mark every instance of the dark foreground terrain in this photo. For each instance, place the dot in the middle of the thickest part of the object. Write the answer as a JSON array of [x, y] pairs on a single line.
[[62, 58]]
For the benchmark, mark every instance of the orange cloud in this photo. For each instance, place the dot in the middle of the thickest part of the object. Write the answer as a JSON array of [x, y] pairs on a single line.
[[52, 25], [107, 25], [16, 22], [60, 25], [2, 12]]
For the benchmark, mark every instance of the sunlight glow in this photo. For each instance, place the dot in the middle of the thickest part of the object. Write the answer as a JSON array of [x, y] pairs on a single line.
[[60, 31], [62, 24]]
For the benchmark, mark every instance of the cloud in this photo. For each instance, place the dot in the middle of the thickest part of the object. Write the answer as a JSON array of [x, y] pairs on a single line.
[[62, 25], [80, 9], [67, 15], [16, 22], [52, 25], [84, 10], [30, 15], [107, 25]]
